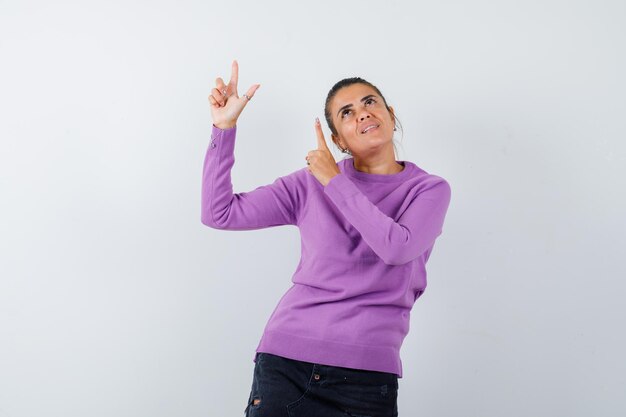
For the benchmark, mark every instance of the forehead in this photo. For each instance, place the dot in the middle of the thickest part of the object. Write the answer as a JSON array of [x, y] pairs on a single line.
[[352, 94]]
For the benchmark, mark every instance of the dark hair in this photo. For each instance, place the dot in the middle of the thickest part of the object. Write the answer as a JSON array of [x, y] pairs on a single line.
[[344, 83]]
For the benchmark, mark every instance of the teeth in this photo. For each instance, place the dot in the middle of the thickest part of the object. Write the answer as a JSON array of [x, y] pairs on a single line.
[[369, 127]]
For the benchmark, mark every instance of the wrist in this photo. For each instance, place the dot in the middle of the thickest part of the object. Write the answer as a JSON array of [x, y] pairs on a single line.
[[329, 179], [225, 126]]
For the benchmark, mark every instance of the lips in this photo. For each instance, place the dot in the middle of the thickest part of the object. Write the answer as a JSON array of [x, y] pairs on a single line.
[[368, 126]]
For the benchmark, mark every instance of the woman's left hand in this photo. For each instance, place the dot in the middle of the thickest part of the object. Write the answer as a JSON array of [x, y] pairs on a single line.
[[320, 162]]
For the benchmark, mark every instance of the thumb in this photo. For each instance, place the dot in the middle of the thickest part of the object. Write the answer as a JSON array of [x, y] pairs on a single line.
[[251, 91]]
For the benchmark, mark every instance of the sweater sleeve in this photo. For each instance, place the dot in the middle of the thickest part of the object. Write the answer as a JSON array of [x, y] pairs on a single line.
[[266, 206], [396, 243]]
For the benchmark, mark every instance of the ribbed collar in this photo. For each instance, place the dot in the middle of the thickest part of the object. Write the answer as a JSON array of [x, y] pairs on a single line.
[[351, 171]]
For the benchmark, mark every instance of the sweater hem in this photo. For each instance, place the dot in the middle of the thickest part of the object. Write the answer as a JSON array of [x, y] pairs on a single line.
[[325, 352]]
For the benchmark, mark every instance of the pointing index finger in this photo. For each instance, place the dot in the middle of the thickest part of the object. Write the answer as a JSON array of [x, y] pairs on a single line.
[[321, 142], [234, 76]]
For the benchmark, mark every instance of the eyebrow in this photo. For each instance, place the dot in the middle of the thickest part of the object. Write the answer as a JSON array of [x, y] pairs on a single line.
[[350, 105]]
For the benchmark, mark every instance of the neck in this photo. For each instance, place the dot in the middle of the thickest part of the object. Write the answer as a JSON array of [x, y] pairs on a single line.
[[382, 166]]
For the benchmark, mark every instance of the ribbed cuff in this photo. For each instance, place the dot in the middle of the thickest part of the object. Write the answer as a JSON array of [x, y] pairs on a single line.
[[340, 188]]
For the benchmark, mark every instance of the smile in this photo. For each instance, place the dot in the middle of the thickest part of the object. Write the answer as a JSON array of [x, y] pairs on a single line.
[[370, 128]]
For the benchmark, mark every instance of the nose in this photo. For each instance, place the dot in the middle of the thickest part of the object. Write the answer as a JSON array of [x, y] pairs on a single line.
[[363, 116]]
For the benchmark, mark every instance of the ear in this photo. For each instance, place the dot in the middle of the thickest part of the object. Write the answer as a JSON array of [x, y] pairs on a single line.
[[392, 113]]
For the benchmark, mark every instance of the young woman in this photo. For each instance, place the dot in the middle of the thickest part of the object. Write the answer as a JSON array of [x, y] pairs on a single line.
[[368, 224]]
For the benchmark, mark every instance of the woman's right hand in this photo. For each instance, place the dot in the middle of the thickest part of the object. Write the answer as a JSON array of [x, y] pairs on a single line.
[[226, 106]]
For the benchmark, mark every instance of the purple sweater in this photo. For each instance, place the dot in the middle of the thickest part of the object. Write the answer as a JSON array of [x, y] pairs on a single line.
[[365, 241]]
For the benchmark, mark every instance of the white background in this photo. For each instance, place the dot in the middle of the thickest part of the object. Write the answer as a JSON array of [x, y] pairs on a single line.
[[116, 301]]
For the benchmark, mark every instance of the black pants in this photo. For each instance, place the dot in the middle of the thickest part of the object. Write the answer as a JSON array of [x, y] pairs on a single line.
[[284, 387]]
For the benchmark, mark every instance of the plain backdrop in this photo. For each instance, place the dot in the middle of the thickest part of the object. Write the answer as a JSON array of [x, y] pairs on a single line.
[[116, 301]]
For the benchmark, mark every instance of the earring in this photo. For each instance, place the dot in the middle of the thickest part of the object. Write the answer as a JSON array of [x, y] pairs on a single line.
[[394, 129]]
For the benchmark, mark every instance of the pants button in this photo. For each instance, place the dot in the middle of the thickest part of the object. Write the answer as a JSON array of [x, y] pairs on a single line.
[[316, 376]]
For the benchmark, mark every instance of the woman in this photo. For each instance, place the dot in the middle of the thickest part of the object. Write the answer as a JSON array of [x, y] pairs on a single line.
[[368, 225]]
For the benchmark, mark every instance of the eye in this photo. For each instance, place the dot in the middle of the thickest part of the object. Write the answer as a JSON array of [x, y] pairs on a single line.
[[343, 113]]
